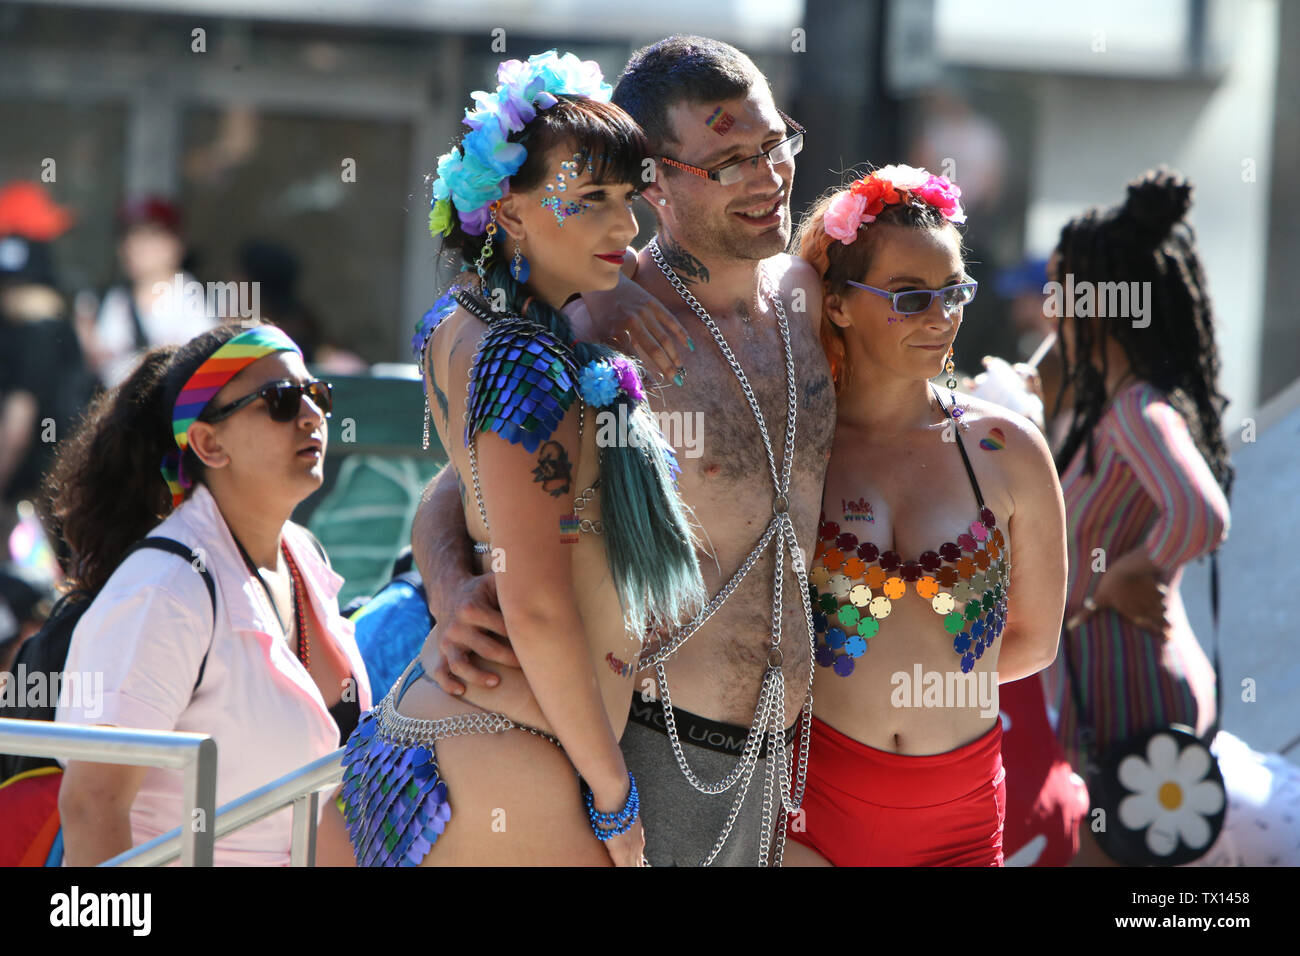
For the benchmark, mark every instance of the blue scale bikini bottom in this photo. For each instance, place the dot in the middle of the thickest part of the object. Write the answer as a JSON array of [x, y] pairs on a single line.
[[394, 799]]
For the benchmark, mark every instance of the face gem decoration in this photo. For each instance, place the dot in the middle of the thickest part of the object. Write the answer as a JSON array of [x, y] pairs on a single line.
[[564, 209]]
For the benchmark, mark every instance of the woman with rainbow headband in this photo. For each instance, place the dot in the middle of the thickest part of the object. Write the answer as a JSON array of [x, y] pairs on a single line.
[[234, 633], [567, 489], [939, 571]]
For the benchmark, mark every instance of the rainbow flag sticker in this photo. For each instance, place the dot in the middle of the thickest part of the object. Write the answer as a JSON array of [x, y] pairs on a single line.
[[719, 121], [569, 529], [995, 442]]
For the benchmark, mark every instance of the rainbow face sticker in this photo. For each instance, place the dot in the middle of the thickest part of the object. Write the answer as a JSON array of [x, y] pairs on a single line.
[[720, 121]]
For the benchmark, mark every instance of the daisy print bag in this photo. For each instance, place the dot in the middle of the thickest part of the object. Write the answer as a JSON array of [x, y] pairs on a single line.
[[1161, 792]]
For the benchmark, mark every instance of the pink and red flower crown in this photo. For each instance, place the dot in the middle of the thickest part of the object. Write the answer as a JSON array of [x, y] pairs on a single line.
[[867, 197]]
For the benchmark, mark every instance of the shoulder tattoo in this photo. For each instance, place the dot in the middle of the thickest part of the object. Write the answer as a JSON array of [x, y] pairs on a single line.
[[554, 471]]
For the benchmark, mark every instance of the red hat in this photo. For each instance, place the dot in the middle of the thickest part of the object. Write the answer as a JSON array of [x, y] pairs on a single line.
[[26, 210], [149, 209]]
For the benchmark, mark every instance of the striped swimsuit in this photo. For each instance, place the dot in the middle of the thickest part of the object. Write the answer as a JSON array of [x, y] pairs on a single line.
[[1151, 490]]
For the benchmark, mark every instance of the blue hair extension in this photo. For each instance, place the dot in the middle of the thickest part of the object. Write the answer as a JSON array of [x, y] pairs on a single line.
[[649, 543]]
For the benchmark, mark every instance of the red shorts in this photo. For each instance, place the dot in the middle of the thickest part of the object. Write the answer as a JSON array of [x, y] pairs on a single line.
[[867, 807]]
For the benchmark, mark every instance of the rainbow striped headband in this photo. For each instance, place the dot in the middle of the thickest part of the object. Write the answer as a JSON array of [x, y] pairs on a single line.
[[208, 379]]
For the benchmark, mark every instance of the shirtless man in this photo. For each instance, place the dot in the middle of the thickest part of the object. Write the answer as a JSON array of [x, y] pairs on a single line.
[[724, 224]]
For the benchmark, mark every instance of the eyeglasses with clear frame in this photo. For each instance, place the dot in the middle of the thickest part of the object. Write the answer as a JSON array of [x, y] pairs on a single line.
[[912, 301], [734, 172]]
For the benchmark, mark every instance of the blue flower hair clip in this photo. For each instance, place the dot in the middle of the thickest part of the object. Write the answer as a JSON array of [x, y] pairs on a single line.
[[598, 383], [475, 174]]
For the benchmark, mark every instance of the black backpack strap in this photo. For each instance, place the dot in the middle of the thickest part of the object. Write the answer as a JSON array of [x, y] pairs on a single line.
[[188, 553], [412, 577]]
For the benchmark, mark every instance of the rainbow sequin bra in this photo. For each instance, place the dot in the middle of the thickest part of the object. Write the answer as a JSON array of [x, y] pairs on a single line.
[[853, 585]]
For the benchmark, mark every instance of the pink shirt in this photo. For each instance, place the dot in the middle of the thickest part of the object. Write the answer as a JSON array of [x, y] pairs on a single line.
[[147, 632]]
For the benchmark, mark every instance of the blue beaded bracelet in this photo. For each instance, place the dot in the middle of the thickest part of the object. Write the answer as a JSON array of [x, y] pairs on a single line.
[[618, 822]]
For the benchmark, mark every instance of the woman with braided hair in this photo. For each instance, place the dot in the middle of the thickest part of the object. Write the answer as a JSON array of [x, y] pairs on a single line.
[[567, 489], [1144, 470]]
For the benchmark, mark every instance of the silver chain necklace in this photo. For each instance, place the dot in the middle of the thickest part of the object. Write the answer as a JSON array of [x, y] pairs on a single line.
[[769, 715]]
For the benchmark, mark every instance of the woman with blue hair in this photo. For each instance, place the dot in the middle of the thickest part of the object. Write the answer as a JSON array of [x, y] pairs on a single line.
[[580, 521]]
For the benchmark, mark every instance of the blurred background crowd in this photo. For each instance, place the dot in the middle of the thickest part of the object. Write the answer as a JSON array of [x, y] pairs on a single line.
[[284, 145]]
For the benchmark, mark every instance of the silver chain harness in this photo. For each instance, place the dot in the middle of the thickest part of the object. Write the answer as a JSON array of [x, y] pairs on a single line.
[[769, 715], [410, 732]]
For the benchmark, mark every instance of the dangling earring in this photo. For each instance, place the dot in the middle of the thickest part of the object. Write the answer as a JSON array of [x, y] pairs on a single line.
[[951, 384], [486, 253], [519, 266], [425, 443]]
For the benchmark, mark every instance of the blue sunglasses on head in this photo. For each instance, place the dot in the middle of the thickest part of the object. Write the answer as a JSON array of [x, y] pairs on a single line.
[[913, 301]]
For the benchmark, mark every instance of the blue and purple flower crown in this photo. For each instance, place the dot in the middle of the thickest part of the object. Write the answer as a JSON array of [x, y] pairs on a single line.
[[476, 173]]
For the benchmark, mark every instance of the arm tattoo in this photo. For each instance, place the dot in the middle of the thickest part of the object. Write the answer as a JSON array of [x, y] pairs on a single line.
[[687, 267], [554, 471]]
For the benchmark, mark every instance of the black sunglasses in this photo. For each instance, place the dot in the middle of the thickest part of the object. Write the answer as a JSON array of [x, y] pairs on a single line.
[[283, 399]]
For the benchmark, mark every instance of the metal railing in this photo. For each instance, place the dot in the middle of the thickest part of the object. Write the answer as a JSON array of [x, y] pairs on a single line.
[[301, 788], [195, 755]]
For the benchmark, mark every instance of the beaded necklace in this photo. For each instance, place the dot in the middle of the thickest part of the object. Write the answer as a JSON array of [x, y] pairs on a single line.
[[296, 591]]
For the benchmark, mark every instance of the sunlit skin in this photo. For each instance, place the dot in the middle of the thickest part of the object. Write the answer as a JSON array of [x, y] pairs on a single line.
[[705, 217], [889, 451], [257, 477], [732, 266], [565, 254], [256, 461], [564, 616], [883, 346]]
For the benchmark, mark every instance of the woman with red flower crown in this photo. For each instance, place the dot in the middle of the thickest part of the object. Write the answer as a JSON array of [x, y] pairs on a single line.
[[939, 570]]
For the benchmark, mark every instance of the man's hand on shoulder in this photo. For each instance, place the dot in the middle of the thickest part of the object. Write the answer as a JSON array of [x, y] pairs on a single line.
[[632, 320]]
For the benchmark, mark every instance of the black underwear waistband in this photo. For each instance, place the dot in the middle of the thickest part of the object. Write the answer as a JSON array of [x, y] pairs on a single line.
[[696, 730]]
